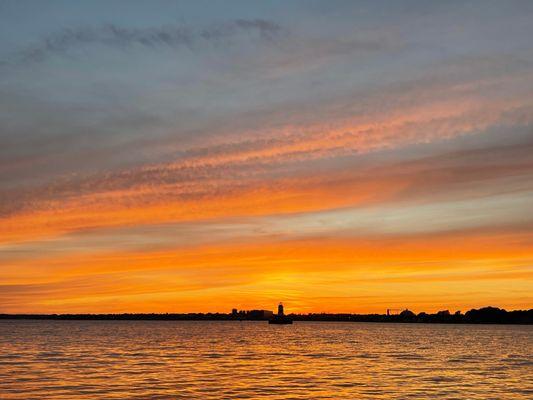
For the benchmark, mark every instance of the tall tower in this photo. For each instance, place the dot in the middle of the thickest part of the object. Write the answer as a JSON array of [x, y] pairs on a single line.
[[280, 309]]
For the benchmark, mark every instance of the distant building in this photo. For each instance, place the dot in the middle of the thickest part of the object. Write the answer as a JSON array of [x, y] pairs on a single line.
[[234, 312], [259, 314], [280, 309]]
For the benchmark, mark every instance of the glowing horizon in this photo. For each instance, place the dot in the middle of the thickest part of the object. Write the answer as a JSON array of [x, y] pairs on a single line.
[[193, 157]]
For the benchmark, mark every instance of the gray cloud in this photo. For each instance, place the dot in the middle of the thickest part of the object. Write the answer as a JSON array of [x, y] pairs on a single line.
[[113, 35]]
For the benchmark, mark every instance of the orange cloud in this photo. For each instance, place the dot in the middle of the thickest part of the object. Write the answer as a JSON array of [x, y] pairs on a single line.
[[375, 271]]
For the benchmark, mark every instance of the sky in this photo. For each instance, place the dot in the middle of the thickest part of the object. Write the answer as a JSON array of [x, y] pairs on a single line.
[[339, 156]]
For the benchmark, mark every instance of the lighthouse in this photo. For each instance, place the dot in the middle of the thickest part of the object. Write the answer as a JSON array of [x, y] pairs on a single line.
[[280, 318]]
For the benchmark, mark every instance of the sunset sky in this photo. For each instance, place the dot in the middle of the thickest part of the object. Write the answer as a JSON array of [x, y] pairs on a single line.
[[347, 156]]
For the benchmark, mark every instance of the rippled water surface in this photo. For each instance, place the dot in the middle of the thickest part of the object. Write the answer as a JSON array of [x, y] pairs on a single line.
[[313, 360]]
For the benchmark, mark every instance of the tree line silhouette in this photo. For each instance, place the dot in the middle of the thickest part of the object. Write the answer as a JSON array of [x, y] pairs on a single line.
[[486, 315]]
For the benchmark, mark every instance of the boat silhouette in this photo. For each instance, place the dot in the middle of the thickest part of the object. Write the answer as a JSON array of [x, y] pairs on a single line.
[[280, 318]]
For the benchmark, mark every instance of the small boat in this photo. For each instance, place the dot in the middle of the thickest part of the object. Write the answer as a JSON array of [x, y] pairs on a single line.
[[280, 321], [280, 318]]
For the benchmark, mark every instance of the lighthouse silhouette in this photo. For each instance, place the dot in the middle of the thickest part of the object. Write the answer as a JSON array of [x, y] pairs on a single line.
[[280, 318]]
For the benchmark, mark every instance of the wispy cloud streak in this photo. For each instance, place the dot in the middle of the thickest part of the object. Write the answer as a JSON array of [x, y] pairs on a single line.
[[116, 36]]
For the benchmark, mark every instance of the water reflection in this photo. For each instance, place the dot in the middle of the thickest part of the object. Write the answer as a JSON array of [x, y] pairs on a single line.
[[208, 360]]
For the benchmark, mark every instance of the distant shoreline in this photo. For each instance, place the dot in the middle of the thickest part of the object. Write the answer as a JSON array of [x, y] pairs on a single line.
[[487, 315]]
